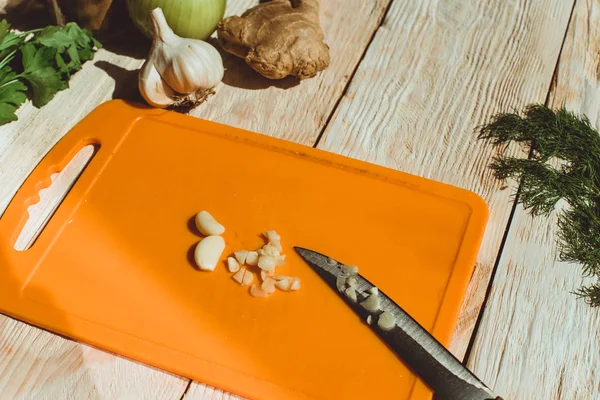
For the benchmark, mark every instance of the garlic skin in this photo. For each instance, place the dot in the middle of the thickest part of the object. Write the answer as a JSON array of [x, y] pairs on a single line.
[[186, 65], [153, 88]]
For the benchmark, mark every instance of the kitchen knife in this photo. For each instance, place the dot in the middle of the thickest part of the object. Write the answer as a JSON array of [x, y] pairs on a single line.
[[444, 374]]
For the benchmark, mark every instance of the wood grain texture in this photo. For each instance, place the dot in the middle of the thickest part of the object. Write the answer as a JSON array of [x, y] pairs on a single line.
[[35, 364], [246, 100], [434, 71], [50, 198], [536, 339], [287, 108]]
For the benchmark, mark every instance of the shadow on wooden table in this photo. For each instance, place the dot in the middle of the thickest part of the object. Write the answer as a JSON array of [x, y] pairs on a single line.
[[241, 75], [33, 361], [126, 40], [126, 81]]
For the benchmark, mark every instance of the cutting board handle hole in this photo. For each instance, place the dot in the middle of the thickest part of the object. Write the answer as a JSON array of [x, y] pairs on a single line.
[[51, 196]]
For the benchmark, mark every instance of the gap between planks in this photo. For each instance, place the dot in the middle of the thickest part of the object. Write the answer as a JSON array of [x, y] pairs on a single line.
[[515, 203], [352, 74]]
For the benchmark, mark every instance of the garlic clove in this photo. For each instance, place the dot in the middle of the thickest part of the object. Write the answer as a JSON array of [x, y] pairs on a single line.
[[208, 252], [186, 65], [240, 256], [207, 224], [252, 258], [153, 88], [232, 264]]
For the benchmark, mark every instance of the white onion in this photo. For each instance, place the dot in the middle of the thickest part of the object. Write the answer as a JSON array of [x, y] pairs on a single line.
[[194, 19]]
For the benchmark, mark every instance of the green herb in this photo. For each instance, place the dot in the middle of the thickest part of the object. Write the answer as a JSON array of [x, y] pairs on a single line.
[[39, 63], [564, 164]]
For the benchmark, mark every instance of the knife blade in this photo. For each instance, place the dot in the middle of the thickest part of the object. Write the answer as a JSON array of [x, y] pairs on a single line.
[[427, 357]]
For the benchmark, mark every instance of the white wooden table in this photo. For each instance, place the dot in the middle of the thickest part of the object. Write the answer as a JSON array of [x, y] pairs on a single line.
[[408, 84]]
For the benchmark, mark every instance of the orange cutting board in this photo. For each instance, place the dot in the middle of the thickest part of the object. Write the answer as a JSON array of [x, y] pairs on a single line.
[[113, 267]]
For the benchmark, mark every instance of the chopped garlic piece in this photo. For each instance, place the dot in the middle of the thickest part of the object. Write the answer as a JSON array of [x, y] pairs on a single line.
[[239, 276], [283, 284], [374, 290], [280, 260], [257, 291], [267, 263], [351, 294], [240, 256], [386, 321], [268, 285], [276, 244], [265, 274], [248, 278], [369, 320], [232, 264], [350, 269], [296, 284], [331, 261], [268, 250], [371, 303], [252, 258], [352, 282], [272, 236]]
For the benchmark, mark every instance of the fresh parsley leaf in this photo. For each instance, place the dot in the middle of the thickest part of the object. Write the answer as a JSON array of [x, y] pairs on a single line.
[[54, 36], [83, 37], [8, 41], [44, 79], [12, 95], [4, 29], [8, 38], [48, 56]]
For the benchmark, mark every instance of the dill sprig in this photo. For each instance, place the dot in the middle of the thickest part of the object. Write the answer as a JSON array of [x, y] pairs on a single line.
[[563, 164]]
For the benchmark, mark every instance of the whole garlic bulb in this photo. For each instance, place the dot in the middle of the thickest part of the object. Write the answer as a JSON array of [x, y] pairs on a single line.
[[153, 88], [186, 65], [178, 71]]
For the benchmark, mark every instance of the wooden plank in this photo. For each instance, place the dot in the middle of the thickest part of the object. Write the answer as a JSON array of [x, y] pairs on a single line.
[[536, 339], [285, 109], [199, 391], [434, 71], [246, 100], [35, 364]]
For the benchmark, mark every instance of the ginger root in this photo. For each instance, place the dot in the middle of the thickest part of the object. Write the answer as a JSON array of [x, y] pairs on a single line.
[[278, 38]]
